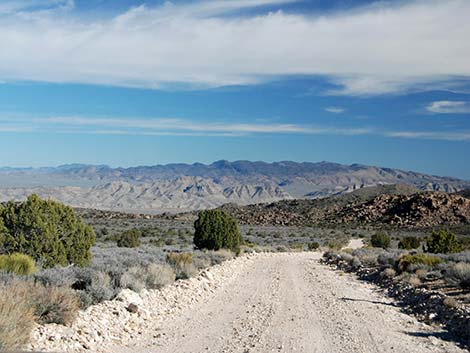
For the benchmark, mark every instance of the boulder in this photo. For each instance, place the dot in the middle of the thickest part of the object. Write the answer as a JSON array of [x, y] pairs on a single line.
[[128, 296]]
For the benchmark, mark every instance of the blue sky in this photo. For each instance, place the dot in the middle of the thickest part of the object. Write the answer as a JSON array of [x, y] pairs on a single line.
[[130, 83]]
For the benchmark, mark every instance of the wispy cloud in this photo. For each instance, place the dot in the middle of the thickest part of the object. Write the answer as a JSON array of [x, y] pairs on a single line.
[[335, 110], [196, 43], [431, 135], [165, 127], [185, 127], [449, 107]]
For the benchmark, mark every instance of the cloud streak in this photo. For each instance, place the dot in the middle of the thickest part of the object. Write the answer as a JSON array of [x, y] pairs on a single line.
[[335, 110], [197, 44], [183, 127], [449, 107]]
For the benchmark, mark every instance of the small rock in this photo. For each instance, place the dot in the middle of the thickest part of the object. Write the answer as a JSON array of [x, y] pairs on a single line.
[[132, 308]]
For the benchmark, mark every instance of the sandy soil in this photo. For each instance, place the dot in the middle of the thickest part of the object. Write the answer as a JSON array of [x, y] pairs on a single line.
[[291, 303]]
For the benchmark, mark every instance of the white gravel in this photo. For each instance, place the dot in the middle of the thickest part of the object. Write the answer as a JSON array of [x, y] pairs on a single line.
[[285, 302]]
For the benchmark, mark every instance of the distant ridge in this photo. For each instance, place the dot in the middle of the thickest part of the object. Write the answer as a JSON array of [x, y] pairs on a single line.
[[179, 187]]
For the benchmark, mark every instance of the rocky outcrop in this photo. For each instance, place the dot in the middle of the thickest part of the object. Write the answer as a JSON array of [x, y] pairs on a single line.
[[416, 210]]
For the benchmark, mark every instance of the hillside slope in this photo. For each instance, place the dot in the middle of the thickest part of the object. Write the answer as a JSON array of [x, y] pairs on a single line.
[[390, 205]]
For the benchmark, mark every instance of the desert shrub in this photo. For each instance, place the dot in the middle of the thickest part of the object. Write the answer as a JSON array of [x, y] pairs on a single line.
[[219, 256], [313, 246], [297, 247], [46, 230], [442, 242], [169, 241], [409, 243], [388, 273], [346, 257], [450, 302], [386, 259], [458, 274], [57, 276], [159, 275], [331, 255], [129, 239], [335, 244], [134, 278], [463, 256], [182, 263], [19, 264], [215, 229], [157, 242], [202, 262], [281, 248], [16, 316], [152, 276], [94, 287], [380, 240], [412, 280], [406, 262], [57, 305]]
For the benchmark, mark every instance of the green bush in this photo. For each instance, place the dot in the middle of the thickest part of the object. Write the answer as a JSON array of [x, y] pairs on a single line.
[[19, 264], [129, 239], [313, 246], [380, 240], [442, 242], [215, 229], [46, 230], [404, 262], [409, 243]]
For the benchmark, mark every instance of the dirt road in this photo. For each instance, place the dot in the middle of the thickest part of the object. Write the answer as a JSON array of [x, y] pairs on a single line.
[[292, 303]]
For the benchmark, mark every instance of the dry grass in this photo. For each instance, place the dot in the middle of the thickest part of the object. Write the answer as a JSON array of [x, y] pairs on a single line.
[[459, 274], [57, 305], [153, 276], [182, 263], [16, 316], [388, 273]]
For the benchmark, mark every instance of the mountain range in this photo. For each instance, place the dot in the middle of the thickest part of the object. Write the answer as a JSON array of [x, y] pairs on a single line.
[[183, 187]]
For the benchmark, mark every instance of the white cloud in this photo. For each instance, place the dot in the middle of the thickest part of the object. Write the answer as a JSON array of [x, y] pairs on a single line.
[[184, 127], [165, 127], [334, 110], [431, 135], [372, 50], [449, 107]]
